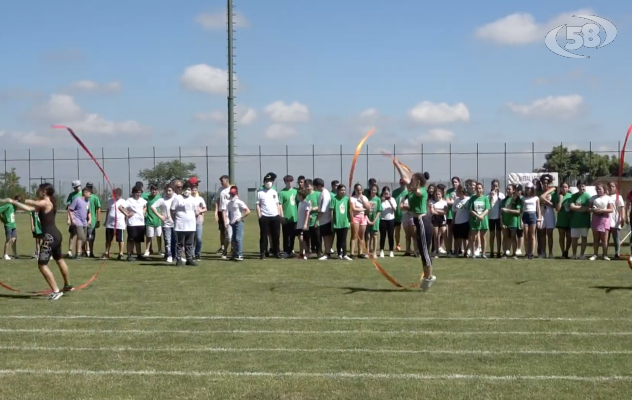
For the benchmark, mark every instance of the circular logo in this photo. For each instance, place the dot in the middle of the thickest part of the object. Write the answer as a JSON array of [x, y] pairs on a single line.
[[342, 208]]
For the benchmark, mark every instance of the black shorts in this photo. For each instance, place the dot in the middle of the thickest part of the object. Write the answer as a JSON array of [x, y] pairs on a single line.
[[10, 233], [92, 234], [109, 235], [495, 225], [136, 234], [50, 247], [398, 223], [37, 235], [325, 230], [448, 221], [72, 229], [512, 232], [438, 221], [519, 233], [461, 231]]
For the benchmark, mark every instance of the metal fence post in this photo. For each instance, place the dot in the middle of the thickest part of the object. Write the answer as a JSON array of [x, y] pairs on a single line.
[[29, 187], [477, 178], [341, 164], [505, 165], [103, 166], [208, 189], [154, 149]]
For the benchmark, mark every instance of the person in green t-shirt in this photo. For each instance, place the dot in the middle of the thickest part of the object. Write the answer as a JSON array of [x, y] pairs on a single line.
[[374, 218], [580, 219], [450, 195], [7, 215], [36, 229], [510, 218], [287, 198], [479, 224], [339, 206], [399, 195], [72, 229], [314, 231], [563, 207], [95, 218], [153, 223]]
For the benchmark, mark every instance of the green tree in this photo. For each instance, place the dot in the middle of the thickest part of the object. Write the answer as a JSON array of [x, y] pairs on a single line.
[[10, 185], [582, 164], [167, 171]]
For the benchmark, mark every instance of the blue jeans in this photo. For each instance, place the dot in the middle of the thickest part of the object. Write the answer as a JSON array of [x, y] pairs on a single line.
[[170, 241], [237, 238], [199, 229]]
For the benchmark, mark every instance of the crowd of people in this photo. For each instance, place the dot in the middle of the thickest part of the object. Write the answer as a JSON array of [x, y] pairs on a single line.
[[365, 222]]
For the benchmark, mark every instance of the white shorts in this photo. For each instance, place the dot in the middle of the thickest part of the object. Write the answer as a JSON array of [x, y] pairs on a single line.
[[153, 232], [407, 220], [228, 230], [579, 232], [548, 218]]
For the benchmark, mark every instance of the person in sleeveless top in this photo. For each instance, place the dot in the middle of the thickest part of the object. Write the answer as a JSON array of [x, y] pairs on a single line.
[[51, 237]]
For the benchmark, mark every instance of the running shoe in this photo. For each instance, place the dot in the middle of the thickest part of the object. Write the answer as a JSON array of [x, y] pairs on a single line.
[[68, 288], [169, 260], [7, 257], [55, 295], [191, 263], [426, 283]]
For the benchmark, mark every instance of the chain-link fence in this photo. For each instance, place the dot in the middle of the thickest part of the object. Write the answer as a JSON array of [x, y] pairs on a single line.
[[483, 162]]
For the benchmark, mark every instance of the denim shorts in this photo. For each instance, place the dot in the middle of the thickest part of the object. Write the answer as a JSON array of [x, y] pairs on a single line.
[[529, 218]]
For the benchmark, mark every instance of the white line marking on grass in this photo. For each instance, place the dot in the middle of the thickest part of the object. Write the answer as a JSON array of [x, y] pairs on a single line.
[[289, 318], [316, 350], [326, 375], [298, 332]]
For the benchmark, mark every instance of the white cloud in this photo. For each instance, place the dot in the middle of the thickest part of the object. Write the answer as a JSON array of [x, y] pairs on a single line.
[[435, 135], [206, 79], [92, 86], [429, 113], [522, 28], [280, 131], [561, 107], [244, 115], [62, 109], [218, 20], [369, 113], [281, 112]]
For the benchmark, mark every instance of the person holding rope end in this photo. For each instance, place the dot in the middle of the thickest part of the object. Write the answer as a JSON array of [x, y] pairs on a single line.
[[51, 237], [418, 202]]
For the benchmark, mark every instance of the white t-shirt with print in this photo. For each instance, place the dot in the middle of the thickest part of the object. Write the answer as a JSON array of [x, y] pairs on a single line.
[[323, 207], [235, 209], [136, 206], [115, 215], [460, 210], [185, 208], [304, 207], [388, 209], [440, 205], [358, 203], [615, 219], [495, 202], [268, 201], [164, 205]]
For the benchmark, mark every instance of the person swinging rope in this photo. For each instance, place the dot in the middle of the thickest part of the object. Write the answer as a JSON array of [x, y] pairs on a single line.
[[418, 200]]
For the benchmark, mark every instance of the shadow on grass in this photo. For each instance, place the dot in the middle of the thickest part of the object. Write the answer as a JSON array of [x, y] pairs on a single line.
[[20, 296], [521, 282], [609, 289], [353, 290]]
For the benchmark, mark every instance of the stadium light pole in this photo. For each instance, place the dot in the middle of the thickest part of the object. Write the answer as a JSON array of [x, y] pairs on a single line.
[[231, 97]]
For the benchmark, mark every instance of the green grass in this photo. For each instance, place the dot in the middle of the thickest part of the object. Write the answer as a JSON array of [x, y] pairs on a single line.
[[484, 319]]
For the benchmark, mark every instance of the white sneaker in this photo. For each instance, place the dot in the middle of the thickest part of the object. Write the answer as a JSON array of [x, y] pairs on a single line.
[[55, 295], [348, 258], [518, 252], [7, 257], [442, 251], [391, 255], [508, 253], [477, 252], [606, 258], [381, 253], [426, 283], [146, 253], [340, 256], [169, 260], [69, 254], [593, 258], [323, 258]]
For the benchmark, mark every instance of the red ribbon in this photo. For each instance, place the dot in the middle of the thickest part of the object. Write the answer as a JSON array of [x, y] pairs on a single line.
[[83, 146], [621, 164]]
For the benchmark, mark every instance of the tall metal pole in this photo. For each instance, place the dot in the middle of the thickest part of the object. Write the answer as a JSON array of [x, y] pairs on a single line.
[[231, 97]]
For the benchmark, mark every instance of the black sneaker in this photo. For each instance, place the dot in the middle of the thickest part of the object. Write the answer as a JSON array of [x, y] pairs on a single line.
[[199, 258], [130, 259], [262, 256], [191, 263], [179, 263], [68, 288], [220, 250]]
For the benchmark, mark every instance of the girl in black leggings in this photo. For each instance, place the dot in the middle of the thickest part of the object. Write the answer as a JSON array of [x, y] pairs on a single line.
[[387, 222]]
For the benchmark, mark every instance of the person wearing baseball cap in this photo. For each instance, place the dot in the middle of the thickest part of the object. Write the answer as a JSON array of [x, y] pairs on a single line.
[[72, 230], [95, 220], [270, 212]]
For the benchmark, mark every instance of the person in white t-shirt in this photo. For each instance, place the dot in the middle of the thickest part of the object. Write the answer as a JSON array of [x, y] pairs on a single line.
[[235, 212], [199, 223], [438, 207], [220, 204], [270, 212], [162, 208], [184, 214], [302, 223], [617, 219], [324, 217], [115, 223], [387, 222], [135, 209]]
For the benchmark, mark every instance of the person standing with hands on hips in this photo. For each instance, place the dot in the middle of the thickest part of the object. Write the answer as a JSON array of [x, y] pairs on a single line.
[[269, 212]]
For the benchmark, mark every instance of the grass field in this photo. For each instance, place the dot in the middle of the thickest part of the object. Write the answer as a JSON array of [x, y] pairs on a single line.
[[285, 329]]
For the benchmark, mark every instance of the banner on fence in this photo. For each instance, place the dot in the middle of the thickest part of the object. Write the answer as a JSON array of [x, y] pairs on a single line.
[[521, 178]]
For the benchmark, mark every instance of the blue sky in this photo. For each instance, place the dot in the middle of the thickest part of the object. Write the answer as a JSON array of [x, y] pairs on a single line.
[[117, 73]]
